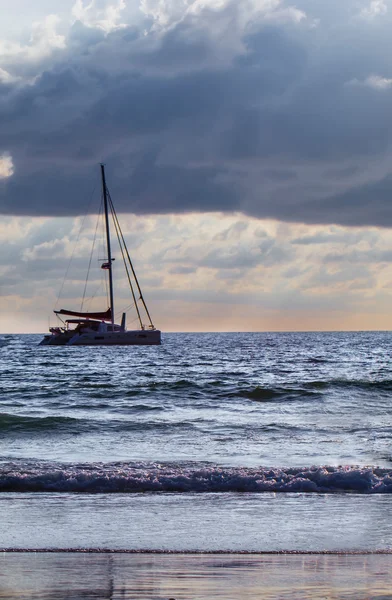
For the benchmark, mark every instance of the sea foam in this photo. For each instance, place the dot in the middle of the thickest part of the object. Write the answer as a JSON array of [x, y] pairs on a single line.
[[153, 477]]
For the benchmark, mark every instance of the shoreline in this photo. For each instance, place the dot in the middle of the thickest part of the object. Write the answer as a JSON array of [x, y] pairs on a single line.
[[213, 576], [261, 553]]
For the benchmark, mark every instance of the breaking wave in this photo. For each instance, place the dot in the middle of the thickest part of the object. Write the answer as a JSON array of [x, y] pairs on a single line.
[[139, 478]]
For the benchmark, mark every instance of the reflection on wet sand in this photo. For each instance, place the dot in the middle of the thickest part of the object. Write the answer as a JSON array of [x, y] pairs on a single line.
[[63, 576]]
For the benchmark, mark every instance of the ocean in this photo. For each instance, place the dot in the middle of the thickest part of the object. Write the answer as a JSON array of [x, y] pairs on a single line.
[[212, 442]]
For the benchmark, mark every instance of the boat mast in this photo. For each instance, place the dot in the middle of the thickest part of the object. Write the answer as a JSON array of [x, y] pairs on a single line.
[[105, 203]]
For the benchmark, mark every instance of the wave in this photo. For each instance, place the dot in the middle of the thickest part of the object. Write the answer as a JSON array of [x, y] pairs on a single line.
[[141, 478], [317, 360], [25, 425], [365, 384], [217, 389], [308, 389], [227, 388], [260, 394], [175, 384]]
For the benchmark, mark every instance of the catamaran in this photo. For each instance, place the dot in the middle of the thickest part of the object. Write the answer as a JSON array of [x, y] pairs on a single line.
[[99, 328]]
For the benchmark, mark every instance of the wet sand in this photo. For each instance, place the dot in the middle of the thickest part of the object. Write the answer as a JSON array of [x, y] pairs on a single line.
[[75, 575]]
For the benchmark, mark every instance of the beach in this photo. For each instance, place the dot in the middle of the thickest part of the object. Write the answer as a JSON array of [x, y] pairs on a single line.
[[127, 546], [44, 576]]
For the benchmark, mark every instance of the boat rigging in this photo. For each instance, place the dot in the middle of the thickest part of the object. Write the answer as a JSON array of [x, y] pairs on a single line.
[[99, 328]]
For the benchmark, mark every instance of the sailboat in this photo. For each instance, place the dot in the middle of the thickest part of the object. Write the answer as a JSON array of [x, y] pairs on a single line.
[[99, 328]]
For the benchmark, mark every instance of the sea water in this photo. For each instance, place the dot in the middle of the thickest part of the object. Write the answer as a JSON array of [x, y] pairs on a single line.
[[212, 442]]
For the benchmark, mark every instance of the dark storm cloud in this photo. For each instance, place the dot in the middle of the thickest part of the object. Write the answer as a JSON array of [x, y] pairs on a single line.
[[281, 115]]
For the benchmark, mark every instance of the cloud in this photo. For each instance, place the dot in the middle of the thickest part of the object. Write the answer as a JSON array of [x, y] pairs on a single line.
[[376, 8], [99, 14], [335, 235], [52, 249], [182, 270], [374, 81], [5, 77], [238, 107], [44, 39], [196, 264], [376, 256], [6, 166], [344, 278]]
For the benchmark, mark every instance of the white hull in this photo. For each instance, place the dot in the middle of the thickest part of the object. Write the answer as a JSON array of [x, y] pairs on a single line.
[[138, 337]]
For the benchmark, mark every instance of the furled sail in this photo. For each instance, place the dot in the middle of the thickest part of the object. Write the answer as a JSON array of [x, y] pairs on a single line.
[[101, 316]]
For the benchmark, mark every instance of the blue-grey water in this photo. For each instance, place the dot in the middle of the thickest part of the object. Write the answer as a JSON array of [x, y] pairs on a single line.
[[237, 441]]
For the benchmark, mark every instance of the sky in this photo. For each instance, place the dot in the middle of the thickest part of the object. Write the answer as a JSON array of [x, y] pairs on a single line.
[[247, 151]]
